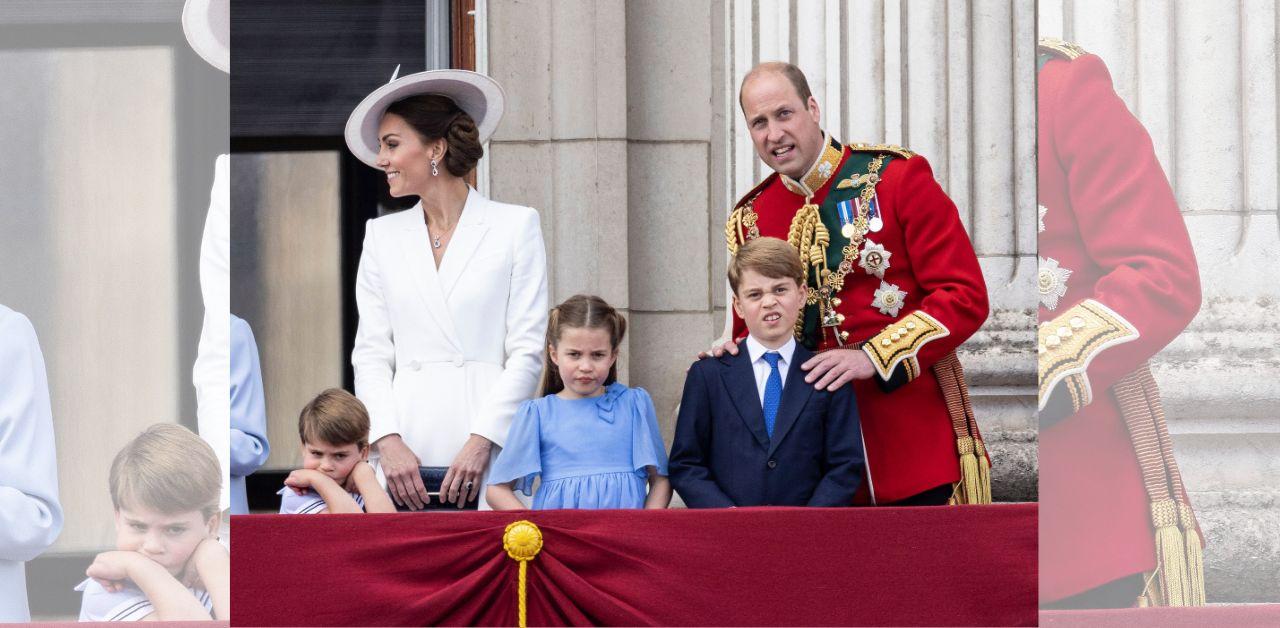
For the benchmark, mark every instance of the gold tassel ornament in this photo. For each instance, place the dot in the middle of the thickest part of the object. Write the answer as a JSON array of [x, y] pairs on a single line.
[[1179, 573], [1195, 555], [522, 541], [1171, 557], [968, 471], [974, 486], [984, 472]]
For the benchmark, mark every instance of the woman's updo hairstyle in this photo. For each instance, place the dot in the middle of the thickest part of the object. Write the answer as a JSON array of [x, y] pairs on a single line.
[[435, 117]]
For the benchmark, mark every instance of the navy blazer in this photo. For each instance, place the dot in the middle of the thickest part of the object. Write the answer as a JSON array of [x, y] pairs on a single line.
[[722, 455]]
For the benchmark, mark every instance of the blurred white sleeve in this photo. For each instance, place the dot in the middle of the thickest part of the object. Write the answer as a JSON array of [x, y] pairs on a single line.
[[211, 373], [30, 515]]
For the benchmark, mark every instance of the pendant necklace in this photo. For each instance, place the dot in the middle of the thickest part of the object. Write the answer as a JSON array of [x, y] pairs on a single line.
[[435, 239]]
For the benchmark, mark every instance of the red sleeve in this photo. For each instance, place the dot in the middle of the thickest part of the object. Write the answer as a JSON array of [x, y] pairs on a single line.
[[1128, 220], [946, 271]]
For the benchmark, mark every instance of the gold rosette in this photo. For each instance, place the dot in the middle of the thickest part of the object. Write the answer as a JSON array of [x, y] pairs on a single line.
[[522, 541]]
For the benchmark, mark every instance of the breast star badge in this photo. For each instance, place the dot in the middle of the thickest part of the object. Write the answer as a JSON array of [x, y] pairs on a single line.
[[874, 259], [1052, 282], [889, 299]]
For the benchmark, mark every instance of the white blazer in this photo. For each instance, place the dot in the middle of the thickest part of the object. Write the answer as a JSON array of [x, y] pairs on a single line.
[[441, 354], [30, 515], [210, 373]]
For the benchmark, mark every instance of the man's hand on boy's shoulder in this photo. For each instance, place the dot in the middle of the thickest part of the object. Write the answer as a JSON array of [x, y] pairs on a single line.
[[837, 367], [729, 346]]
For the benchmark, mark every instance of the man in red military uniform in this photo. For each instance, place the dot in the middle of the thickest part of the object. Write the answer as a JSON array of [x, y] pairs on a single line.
[[1117, 282], [895, 288]]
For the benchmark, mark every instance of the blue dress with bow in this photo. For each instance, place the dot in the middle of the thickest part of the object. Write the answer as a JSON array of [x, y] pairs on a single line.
[[590, 453]]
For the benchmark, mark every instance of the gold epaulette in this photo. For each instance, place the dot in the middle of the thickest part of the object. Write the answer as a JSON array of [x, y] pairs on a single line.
[[1064, 49], [740, 225], [893, 149]]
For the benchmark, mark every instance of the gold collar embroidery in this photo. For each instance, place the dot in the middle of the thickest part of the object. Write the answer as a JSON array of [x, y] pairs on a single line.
[[819, 173]]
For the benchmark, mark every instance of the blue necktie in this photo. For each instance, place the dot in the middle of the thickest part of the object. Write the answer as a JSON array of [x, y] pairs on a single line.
[[772, 391]]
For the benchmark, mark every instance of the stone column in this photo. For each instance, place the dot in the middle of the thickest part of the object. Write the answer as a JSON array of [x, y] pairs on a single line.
[[669, 129], [562, 146]]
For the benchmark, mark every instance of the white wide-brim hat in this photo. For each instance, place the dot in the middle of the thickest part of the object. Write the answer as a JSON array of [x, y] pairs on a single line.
[[478, 95], [207, 25]]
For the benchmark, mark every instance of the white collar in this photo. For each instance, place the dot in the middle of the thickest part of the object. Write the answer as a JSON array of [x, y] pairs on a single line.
[[755, 349]]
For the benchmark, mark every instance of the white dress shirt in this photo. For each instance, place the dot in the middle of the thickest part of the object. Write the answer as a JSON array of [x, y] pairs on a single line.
[[756, 352]]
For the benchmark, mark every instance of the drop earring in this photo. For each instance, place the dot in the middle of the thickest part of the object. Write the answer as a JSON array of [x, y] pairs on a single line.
[[434, 171]]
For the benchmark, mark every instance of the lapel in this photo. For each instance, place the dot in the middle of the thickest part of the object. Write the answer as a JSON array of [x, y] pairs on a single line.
[[415, 246], [739, 380], [795, 395], [466, 239]]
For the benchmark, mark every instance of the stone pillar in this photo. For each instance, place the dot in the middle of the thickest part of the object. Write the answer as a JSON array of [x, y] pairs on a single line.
[[1202, 79], [561, 148], [669, 128]]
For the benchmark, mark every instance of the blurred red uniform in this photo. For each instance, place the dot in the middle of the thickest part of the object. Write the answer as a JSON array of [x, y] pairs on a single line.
[[1117, 282]]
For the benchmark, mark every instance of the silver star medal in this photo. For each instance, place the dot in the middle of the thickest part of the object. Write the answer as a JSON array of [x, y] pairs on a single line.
[[874, 259], [1042, 210], [889, 299], [1052, 282]]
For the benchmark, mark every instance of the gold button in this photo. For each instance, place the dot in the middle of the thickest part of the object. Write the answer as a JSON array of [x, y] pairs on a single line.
[[885, 342], [1077, 323], [1064, 332], [840, 318], [911, 325], [835, 302], [1052, 341], [894, 337], [902, 331]]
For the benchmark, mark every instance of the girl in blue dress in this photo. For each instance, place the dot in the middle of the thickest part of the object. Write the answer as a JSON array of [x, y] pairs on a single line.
[[594, 442]]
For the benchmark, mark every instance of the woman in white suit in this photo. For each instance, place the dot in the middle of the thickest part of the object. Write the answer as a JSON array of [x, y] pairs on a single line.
[[451, 293]]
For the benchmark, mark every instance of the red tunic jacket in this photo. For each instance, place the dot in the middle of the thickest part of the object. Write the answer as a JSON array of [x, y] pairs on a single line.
[[910, 441], [1117, 281]]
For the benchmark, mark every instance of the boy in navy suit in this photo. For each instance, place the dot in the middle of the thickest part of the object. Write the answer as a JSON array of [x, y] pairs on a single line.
[[751, 431]]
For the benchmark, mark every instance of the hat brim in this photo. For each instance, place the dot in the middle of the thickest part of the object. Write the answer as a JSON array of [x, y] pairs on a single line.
[[478, 95], [207, 25]]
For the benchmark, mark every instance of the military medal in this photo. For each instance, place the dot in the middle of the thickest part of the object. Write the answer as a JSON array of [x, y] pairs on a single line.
[[846, 211], [888, 299], [1052, 282], [830, 318], [874, 222], [874, 259]]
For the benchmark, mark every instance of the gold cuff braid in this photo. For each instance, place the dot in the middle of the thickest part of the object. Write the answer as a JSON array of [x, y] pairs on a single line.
[[1068, 343], [901, 342]]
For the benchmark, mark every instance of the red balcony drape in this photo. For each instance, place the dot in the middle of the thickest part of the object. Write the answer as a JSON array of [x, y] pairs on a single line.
[[963, 565]]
